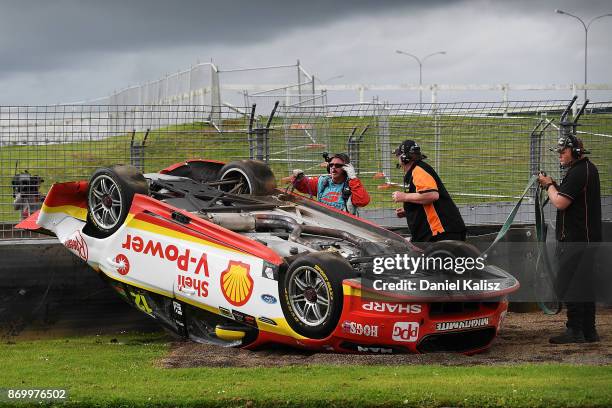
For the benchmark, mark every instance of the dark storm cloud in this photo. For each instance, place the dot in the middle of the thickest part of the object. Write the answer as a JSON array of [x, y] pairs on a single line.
[[40, 35], [44, 35], [61, 50]]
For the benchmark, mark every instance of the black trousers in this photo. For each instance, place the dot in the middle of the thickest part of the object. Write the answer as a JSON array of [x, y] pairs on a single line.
[[574, 284], [581, 316]]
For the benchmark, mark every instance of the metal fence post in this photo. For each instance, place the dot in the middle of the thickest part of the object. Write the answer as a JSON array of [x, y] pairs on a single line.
[[575, 106], [260, 136], [215, 96], [354, 147], [535, 151], [436, 118], [137, 151], [505, 90], [299, 83], [385, 143]]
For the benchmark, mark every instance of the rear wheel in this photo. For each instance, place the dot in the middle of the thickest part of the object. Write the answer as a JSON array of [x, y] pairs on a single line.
[[247, 177], [109, 197], [311, 293]]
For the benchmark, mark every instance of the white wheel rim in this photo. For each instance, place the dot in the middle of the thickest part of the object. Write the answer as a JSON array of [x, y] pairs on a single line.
[[105, 202]]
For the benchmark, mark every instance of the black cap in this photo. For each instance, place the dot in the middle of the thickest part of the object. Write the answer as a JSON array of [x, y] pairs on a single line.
[[407, 148], [571, 142]]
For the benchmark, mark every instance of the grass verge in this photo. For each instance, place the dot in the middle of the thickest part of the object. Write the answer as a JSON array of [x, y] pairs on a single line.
[[124, 371]]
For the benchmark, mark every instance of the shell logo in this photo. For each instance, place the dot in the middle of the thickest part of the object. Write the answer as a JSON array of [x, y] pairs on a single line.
[[236, 283]]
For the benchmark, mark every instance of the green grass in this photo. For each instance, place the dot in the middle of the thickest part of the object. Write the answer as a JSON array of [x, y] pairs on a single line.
[[98, 372], [487, 158]]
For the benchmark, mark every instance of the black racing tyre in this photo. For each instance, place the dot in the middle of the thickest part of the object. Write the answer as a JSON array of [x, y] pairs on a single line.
[[311, 293], [451, 249], [109, 197], [251, 176]]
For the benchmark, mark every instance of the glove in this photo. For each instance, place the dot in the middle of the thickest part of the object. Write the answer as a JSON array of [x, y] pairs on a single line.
[[298, 174], [350, 171]]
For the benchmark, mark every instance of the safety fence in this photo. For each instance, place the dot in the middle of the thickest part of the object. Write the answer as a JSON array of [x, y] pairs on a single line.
[[209, 84], [484, 152]]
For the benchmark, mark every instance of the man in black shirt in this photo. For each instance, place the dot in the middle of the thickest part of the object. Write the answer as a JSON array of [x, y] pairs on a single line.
[[578, 227], [430, 211]]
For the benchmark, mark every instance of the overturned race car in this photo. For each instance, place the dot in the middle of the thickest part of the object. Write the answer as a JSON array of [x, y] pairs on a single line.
[[216, 253]]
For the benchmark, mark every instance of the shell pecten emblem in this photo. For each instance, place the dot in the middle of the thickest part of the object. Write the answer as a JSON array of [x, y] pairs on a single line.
[[236, 283]]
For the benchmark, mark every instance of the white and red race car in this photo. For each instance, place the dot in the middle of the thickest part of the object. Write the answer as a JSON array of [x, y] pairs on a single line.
[[216, 253]]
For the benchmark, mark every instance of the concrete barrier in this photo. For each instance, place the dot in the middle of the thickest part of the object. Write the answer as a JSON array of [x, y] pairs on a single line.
[[46, 289]]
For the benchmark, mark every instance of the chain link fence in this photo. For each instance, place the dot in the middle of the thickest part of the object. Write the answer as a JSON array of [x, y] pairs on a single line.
[[484, 152]]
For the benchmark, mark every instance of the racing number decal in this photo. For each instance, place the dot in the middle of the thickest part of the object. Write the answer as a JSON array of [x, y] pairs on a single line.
[[236, 283], [141, 303]]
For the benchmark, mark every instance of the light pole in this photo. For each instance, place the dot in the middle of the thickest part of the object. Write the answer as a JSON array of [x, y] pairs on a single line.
[[420, 61], [586, 37]]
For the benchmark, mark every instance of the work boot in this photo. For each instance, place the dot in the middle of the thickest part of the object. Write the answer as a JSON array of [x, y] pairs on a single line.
[[570, 336], [591, 336]]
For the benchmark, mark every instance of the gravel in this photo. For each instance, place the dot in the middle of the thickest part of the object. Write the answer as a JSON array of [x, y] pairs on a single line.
[[523, 339]]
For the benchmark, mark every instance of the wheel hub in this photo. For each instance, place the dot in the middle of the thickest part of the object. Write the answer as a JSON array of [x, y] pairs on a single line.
[[107, 201], [311, 295]]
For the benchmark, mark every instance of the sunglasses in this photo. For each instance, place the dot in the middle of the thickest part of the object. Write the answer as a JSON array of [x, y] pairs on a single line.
[[336, 165]]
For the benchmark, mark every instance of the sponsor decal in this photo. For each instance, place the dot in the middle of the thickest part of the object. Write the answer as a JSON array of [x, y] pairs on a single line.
[[358, 329], [244, 318], [236, 283], [178, 317], [123, 260], [463, 324], [178, 309], [226, 312], [269, 299], [141, 303], [267, 320], [76, 243], [330, 290], [372, 348], [387, 307], [377, 350], [331, 197], [405, 332], [199, 285], [198, 282], [184, 259]]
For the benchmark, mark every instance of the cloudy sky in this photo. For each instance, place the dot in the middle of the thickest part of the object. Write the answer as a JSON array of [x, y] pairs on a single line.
[[72, 50]]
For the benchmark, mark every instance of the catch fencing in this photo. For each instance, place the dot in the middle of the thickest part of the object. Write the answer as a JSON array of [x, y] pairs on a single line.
[[484, 152]]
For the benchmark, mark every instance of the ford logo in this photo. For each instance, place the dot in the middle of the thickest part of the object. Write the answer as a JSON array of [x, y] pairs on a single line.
[[269, 299]]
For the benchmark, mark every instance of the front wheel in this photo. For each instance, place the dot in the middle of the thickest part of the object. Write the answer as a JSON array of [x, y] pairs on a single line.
[[109, 197], [311, 293]]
